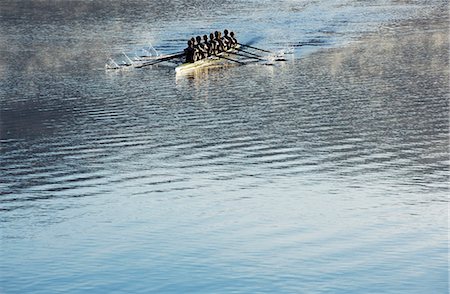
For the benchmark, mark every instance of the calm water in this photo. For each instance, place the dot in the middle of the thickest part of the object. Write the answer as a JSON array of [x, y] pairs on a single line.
[[324, 174]]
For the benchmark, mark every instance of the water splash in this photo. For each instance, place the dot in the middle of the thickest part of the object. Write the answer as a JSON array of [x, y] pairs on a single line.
[[133, 57]]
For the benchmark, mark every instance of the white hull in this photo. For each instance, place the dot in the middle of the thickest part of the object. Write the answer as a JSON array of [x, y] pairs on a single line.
[[207, 62]]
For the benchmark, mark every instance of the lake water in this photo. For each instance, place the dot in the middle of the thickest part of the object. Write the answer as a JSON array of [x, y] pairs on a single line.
[[327, 173]]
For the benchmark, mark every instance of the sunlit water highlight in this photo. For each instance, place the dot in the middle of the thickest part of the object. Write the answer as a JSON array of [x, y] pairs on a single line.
[[326, 173]]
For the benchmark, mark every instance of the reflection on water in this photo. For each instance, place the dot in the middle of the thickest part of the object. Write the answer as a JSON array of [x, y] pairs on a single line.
[[325, 173]]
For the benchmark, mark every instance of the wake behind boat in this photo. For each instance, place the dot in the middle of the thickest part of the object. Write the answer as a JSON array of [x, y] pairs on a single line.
[[218, 50]]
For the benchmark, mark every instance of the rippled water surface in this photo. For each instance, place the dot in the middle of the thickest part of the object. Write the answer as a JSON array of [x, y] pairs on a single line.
[[324, 173]]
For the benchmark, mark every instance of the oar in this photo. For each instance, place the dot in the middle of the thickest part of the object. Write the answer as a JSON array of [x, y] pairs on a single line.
[[257, 48], [244, 55], [166, 58], [249, 53], [230, 59]]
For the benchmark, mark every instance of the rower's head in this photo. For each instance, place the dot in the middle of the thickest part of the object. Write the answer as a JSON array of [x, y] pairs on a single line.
[[193, 40], [205, 38], [211, 36], [216, 34], [225, 32], [189, 43], [199, 39], [220, 35], [232, 34]]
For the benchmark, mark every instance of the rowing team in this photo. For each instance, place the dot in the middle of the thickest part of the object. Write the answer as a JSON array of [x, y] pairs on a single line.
[[198, 49]]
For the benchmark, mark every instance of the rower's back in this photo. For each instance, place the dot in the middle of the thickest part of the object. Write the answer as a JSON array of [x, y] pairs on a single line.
[[206, 45], [227, 40], [190, 52], [233, 40], [199, 49], [220, 42], [212, 44]]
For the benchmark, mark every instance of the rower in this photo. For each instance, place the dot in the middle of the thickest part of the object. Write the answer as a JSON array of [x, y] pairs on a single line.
[[190, 52], [222, 43], [226, 40], [206, 45], [198, 48], [219, 43], [234, 41], [212, 45], [203, 48], [194, 45]]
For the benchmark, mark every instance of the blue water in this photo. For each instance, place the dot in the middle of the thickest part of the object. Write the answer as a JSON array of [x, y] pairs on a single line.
[[327, 173]]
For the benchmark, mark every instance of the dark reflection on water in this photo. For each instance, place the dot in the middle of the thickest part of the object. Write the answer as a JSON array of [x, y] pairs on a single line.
[[326, 173]]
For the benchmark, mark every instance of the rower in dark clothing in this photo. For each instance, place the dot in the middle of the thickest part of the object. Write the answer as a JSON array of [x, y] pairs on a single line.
[[222, 43], [206, 45], [212, 45], [196, 45], [219, 43], [202, 53], [216, 41], [226, 40], [190, 52], [234, 41]]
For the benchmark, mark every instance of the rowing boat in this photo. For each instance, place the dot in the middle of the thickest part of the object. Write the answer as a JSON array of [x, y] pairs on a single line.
[[207, 62], [235, 55]]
